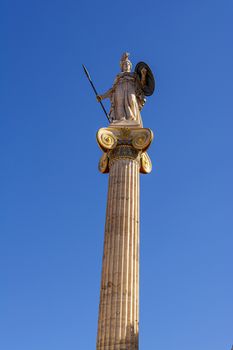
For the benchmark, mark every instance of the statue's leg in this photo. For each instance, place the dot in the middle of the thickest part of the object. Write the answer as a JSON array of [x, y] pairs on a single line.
[[131, 106], [119, 109]]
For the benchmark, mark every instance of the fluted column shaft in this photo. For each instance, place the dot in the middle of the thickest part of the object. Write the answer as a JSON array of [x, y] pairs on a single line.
[[118, 310], [124, 158]]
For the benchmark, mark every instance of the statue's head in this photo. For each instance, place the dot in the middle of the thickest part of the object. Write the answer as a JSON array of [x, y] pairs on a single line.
[[125, 63]]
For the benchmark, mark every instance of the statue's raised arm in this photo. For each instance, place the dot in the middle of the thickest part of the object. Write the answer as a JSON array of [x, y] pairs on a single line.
[[128, 92]]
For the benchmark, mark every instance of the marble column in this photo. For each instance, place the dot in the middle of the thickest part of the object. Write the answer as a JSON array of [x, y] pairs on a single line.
[[124, 158]]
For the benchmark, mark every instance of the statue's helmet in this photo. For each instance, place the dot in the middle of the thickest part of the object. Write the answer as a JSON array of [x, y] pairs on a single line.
[[125, 58]]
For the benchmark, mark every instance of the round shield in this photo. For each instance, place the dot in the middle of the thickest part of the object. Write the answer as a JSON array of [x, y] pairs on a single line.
[[149, 87]]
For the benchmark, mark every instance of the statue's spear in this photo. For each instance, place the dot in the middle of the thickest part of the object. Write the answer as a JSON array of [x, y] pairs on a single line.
[[89, 78]]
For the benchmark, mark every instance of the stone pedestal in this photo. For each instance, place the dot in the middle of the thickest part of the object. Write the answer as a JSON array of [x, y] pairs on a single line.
[[124, 158]]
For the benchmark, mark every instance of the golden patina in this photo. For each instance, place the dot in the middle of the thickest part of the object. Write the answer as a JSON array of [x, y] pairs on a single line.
[[124, 143]]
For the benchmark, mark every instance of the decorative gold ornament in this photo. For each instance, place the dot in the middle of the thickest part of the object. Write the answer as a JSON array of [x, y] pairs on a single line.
[[124, 143], [146, 165], [103, 164], [106, 139], [142, 139], [125, 133], [123, 152]]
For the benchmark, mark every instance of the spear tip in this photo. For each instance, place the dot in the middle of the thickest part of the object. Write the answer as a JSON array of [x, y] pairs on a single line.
[[86, 72]]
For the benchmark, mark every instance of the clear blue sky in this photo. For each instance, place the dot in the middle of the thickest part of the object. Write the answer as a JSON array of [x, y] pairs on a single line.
[[53, 198]]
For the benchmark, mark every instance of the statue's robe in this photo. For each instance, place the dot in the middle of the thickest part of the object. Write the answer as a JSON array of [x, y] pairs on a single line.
[[127, 98]]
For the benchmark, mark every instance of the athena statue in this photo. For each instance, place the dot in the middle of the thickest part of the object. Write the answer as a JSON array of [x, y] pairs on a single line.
[[127, 94]]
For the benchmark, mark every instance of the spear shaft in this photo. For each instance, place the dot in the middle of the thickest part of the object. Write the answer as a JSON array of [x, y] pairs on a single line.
[[89, 78]]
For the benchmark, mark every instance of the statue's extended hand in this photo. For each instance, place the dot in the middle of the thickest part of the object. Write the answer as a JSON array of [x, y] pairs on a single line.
[[99, 98]]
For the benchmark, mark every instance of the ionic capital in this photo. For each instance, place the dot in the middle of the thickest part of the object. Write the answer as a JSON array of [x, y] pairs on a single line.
[[124, 143]]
